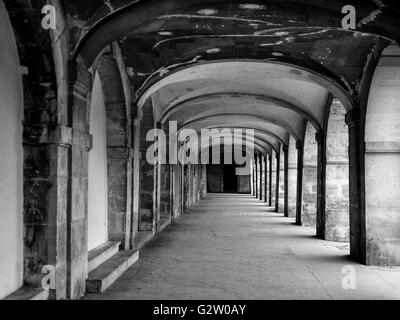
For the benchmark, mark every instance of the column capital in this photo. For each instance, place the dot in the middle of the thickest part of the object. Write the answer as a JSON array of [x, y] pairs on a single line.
[[319, 136], [137, 112], [285, 148], [299, 144], [352, 117]]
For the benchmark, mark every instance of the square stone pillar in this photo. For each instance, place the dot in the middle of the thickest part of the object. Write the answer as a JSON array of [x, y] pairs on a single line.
[[299, 192], [261, 177], [256, 176], [321, 183], [253, 182], [292, 178], [286, 181], [136, 185], [77, 218], [356, 187], [310, 178], [278, 169], [266, 178], [270, 180]]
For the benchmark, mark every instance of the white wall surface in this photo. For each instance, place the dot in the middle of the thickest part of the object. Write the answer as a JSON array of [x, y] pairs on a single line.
[[97, 201], [11, 197]]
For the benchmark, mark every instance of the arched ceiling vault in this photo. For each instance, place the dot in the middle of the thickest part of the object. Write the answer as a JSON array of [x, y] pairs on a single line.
[[233, 119], [261, 102], [157, 35], [199, 61], [262, 92], [261, 136], [238, 141]]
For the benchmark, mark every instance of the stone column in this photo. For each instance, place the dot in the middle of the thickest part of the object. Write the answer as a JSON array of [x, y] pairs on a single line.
[[176, 191], [136, 185], [356, 183], [261, 177], [292, 178], [77, 242], [165, 180], [286, 181], [253, 189], [147, 177], [321, 182], [266, 178], [119, 158], [310, 176], [256, 176], [46, 189], [270, 180], [337, 176], [277, 187], [299, 188], [281, 171]]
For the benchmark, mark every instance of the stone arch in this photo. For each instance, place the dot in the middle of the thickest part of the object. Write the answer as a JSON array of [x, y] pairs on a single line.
[[380, 245], [118, 144]]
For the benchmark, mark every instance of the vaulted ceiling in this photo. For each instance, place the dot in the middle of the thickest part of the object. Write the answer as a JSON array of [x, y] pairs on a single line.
[[271, 66]]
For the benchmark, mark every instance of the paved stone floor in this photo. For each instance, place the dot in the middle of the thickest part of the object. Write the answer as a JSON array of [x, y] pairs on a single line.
[[234, 247]]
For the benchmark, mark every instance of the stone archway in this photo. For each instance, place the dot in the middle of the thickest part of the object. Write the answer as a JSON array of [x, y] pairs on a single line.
[[110, 94], [381, 224]]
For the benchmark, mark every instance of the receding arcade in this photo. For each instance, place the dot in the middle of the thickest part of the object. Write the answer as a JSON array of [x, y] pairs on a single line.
[[323, 105]]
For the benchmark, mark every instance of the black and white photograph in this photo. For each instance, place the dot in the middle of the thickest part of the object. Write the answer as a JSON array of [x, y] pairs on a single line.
[[199, 155]]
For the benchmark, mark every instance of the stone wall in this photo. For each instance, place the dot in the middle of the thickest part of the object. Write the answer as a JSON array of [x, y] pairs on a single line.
[[337, 176], [309, 208]]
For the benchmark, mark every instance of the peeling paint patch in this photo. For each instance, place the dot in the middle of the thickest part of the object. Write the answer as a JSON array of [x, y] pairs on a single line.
[[281, 33], [358, 34], [109, 5], [141, 74], [313, 33], [371, 17], [290, 39], [252, 6], [130, 72], [234, 18], [207, 12], [215, 50], [163, 71], [165, 33], [379, 3]]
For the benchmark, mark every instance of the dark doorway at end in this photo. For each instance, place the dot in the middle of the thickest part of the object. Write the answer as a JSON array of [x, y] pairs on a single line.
[[224, 179]]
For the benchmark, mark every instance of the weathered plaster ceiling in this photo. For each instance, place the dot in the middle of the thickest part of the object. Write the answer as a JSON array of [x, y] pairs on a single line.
[[266, 65]]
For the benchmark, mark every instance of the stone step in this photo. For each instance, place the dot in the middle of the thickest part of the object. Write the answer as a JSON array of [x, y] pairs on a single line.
[[102, 253], [28, 293], [108, 272], [163, 224], [142, 238]]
